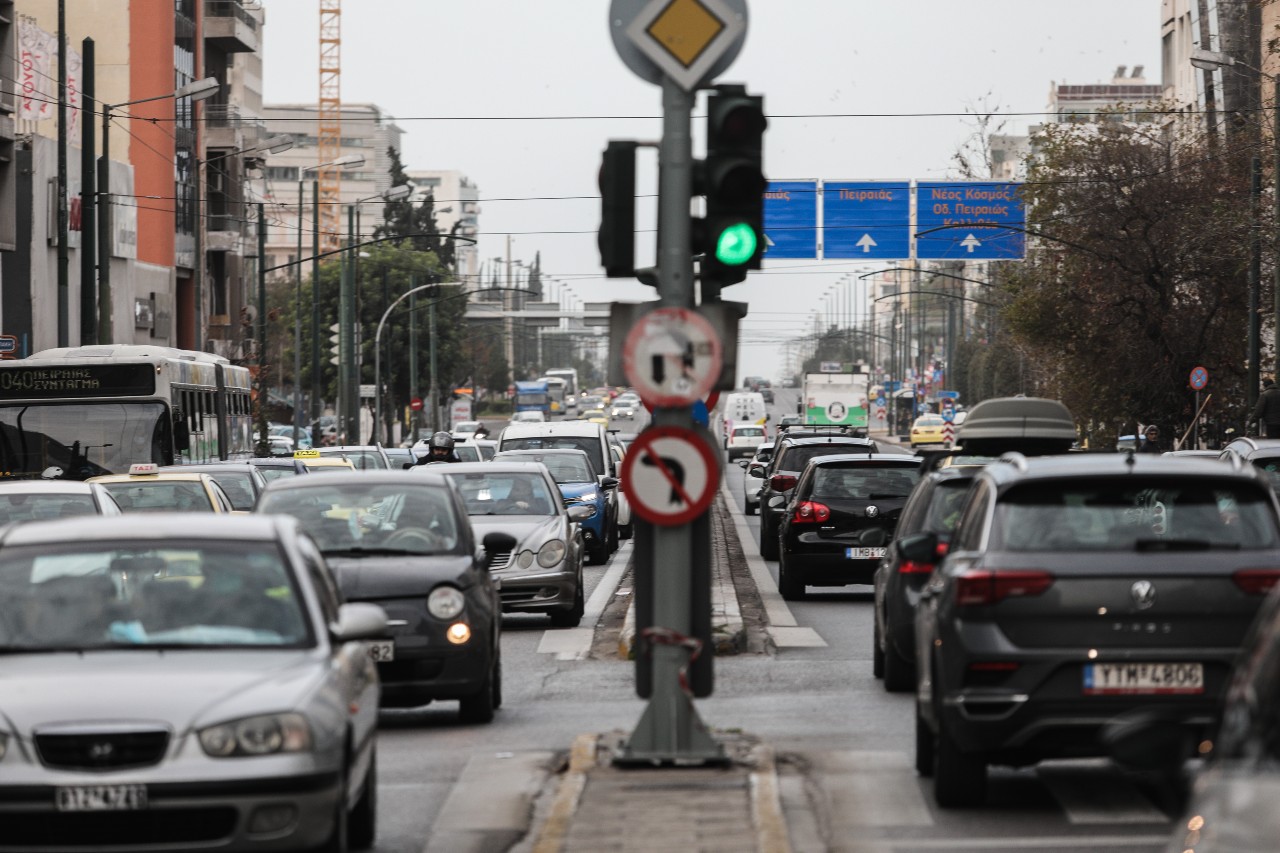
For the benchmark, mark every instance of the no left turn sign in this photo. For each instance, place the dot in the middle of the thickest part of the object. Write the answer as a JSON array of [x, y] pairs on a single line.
[[670, 475]]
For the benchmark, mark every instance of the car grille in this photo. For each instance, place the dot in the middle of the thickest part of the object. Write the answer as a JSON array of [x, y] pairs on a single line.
[[118, 829], [104, 750], [501, 560]]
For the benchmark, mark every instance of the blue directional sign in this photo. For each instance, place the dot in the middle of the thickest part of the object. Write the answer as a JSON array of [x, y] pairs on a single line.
[[870, 220], [791, 219], [970, 221]]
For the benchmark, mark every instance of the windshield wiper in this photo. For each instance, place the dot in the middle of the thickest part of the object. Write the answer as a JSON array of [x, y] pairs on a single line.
[[1183, 545], [371, 552], [885, 495]]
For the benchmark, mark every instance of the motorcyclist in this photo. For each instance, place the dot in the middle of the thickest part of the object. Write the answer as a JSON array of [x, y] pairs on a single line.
[[439, 449]]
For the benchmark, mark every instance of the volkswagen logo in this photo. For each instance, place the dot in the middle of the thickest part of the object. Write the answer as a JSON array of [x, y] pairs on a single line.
[[1144, 594], [873, 511], [101, 751]]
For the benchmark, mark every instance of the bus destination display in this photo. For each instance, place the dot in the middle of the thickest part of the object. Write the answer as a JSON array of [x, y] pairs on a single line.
[[87, 380]]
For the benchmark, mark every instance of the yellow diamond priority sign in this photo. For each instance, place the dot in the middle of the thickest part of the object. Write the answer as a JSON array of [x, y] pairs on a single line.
[[685, 38]]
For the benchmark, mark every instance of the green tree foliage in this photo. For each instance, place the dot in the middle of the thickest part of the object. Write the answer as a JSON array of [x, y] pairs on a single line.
[[1139, 274]]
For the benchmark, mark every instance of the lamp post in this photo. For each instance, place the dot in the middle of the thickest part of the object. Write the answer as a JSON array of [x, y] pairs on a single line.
[[197, 90]]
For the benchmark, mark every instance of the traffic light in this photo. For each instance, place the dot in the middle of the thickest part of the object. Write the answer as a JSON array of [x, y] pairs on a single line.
[[335, 341], [731, 237], [617, 237]]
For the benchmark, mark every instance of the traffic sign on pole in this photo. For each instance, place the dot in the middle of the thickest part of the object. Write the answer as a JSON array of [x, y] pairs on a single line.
[[687, 39], [672, 357], [791, 219], [970, 221], [1199, 378], [869, 220], [670, 475]]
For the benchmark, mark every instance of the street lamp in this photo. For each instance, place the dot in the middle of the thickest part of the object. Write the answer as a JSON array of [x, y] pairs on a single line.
[[1207, 60], [196, 90], [346, 162]]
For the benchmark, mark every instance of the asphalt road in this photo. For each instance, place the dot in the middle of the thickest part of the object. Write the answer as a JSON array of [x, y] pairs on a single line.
[[847, 782]]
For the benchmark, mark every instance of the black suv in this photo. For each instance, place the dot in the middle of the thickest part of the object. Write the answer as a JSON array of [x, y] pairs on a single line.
[[794, 450], [1079, 590], [934, 507], [842, 514]]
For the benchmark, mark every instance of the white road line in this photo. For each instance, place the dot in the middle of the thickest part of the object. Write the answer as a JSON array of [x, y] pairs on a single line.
[[1036, 842], [1093, 797], [872, 789], [575, 643], [783, 627]]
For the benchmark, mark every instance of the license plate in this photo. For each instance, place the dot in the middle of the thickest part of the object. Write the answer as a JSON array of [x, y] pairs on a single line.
[[1150, 679], [863, 553], [382, 650], [101, 798]]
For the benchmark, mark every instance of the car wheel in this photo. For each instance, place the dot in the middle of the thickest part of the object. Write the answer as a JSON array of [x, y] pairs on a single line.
[[497, 683], [768, 540], [899, 674], [626, 531], [612, 538], [877, 654], [362, 826], [959, 778], [924, 745], [597, 551], [479, 706], [572, 617], [790, 587], [749, 509]]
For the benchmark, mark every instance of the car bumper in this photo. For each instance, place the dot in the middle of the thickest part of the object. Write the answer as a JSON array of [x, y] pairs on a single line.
[[538, 591], [427, 666], [269, 814], [826, 564]]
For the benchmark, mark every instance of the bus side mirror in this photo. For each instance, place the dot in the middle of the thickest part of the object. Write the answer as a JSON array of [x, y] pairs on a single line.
[[181, 436]]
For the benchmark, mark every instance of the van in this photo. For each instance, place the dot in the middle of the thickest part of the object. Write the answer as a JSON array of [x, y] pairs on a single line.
[[742, 407]]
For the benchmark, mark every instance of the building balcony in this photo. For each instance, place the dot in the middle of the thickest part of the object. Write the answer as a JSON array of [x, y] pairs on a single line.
[[229, 28], [226, 128]]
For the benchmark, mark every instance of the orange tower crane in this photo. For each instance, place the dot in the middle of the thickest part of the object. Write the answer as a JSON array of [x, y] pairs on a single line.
[[329, 119]]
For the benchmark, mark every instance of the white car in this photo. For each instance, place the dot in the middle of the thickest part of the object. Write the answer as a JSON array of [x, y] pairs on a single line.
[[623, 409], [753, 477], [529, 417], [743, 439], [463, 430]]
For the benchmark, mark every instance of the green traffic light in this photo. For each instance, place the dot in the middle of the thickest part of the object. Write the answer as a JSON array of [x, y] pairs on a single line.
[[736, 244]]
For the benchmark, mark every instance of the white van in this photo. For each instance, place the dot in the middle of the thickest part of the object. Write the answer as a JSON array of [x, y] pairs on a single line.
[[742, 407]]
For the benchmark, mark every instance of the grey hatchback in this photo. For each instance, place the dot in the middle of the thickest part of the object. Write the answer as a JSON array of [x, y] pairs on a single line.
[[1079, 590]]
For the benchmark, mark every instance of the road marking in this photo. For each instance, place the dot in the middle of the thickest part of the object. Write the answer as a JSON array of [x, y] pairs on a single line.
[[1037, 842], [1092, 795], [783, 627], [867, 788], [492, 797], [575, 643]]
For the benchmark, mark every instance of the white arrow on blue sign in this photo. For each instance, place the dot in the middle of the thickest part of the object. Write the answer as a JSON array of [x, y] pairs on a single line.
[[866, 219], [791, 219], [970, 221]]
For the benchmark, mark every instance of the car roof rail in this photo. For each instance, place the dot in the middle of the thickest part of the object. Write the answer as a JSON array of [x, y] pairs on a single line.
[[1015, 459]]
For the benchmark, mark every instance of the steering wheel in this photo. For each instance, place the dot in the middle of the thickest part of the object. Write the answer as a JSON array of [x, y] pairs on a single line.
[[413, 535]]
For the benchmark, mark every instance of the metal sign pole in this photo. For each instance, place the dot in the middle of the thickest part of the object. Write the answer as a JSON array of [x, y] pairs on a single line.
[[670, 729]]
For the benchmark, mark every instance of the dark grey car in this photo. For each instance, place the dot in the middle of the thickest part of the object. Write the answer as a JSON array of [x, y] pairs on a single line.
[[1077, 590]]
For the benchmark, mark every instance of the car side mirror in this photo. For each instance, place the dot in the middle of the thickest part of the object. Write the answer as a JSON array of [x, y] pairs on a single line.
[[782, 482], [874, 537], [496, 543], [358, 620], [581, 512], [743, 463], [609, 482], [919, 548], [777, 501]]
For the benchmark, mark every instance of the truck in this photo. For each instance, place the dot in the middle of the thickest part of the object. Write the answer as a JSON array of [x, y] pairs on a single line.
[[533, 396], [837, 399], [572, 388], [555, 389]]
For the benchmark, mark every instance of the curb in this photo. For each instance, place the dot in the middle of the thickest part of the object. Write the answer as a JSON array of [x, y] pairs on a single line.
[[555, 829], [766, 806]]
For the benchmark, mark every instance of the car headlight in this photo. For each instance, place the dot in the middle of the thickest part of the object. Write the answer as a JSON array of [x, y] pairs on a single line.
[[551, 553], [525, 559], [264, 735], [445, 602], [589, 497]]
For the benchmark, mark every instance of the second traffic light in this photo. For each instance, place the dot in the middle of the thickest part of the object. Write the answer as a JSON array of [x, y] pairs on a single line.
[[731, 236]]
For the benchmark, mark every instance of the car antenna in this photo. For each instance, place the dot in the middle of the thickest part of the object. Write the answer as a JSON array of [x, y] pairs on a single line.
[[1128, 459]]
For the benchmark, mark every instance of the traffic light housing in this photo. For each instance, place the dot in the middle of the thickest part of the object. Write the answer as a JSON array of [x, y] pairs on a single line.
[[731, 236], [335, 340], [617, 237]]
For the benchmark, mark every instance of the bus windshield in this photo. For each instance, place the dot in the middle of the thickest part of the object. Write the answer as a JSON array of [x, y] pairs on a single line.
[[83, 439]]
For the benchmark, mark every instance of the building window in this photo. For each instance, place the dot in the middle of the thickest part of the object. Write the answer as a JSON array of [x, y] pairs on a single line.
[[282, 173]]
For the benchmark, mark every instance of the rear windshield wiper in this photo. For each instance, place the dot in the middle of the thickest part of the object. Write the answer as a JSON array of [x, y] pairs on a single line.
[[1182, 545]]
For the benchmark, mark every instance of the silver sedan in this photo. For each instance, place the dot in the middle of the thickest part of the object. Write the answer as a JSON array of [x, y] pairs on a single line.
[[179, 685]]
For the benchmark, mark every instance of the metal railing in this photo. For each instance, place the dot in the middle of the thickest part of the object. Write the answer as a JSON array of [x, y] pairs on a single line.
[[229, 9]]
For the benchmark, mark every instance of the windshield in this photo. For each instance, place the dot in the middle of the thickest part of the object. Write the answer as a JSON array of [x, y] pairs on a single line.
[[82, 439], [506, 493], [239, 488], [1134, 514], [587, 443], [404, 518], [945, 505], [28, 507], [1270, 464], [796, 458], [531, 398], [564, 467], [864, 482], [467, 452], [160, 496], [109, 595], [270, 473]]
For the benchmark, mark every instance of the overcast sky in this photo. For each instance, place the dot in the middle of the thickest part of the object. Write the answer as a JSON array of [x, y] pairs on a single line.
[[476, 84]]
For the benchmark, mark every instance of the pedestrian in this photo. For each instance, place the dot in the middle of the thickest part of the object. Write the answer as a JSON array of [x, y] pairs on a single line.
[[1267, 411], [1151, 440]]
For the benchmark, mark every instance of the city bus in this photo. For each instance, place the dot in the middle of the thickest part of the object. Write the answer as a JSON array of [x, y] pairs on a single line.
[[532, 396], [572, 390], [78, 412]]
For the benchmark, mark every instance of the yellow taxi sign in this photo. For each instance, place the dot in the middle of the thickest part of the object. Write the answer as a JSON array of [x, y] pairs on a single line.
[[306, 454], [143, 468]]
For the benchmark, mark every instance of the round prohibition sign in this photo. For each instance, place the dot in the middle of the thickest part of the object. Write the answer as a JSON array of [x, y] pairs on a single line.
[[1199, 378], [672, 356], [670, 475]]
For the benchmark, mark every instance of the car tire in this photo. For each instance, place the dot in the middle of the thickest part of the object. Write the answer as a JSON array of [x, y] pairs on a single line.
[[597, 552], [611, 541], [479, 706], [899, 674], [362, 824], [790, 587], [572, 617], [925, 745], [959, 778], [626, 531], [877, 654], [749, 509], [497, 682], [768, 540]]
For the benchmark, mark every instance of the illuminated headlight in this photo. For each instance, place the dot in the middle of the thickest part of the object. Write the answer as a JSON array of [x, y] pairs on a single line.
[[265, 735], [525, 559], [551, 553], [589, 497], [445, 602]]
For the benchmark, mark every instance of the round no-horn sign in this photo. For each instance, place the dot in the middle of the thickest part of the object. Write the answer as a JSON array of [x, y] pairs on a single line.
[[670, 475], [672, 357]]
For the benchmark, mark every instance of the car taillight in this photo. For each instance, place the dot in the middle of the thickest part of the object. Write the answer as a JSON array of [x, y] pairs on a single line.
[[942, 549], [810, 512], [984, 586], [1256, 581], [907, 567]]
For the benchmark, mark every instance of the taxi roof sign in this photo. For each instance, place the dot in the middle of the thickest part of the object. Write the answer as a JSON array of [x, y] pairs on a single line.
[[306, 454], [143, 468]]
